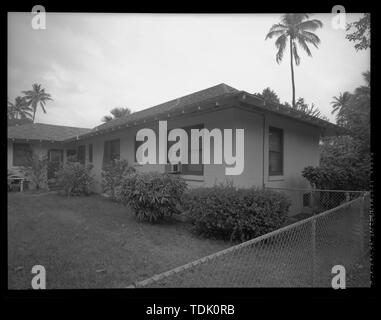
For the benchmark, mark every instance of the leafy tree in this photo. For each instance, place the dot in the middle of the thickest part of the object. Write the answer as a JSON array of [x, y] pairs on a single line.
[[269, 95], [296, 28], [37, 96], [345, 161], [117, 113], [355, 115], [360, 32]]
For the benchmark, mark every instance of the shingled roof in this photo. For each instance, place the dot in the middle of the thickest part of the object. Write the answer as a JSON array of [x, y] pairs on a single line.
[[208, 98], [44, 132], [212, 97], [172, 105]]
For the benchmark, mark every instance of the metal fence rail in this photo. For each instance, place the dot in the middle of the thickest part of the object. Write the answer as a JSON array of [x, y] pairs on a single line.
[[301, 254], [316, 200]]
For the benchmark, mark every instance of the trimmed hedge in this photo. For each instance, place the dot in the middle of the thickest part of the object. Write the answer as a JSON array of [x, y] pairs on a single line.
[[235, 214], [151, 195]]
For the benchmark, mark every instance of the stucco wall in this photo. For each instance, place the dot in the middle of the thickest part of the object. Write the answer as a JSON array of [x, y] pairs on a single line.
[[212, 173], [300, 148]]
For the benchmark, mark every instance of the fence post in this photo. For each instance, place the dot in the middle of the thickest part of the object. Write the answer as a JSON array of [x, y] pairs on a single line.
[[313, 250]]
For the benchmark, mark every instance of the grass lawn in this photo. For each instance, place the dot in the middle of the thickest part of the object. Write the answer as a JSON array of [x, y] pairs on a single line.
[[91, 242]]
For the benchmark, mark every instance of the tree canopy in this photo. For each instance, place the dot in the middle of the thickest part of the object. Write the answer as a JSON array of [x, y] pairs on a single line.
[[345, 161], [360, 32], [117, 113]]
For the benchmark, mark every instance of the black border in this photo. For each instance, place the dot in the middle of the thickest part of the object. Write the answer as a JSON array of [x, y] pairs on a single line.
[[246, 300]]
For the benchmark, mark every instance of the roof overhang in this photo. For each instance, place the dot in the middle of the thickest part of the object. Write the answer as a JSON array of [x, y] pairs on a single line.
[[326, 128], [228, 100], [14, 139], [216, 103]]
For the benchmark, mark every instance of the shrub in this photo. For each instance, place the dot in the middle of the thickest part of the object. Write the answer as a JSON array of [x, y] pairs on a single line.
[[75, 179], [335, 178], [151, 195], [235, 214], [113, 174], [37, 171]]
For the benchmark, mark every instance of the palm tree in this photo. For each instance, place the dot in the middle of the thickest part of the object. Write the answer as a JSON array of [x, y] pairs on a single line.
[[19, 109], [340, 103], [117, 113], [354, 105], [37, 96], [298, 29]]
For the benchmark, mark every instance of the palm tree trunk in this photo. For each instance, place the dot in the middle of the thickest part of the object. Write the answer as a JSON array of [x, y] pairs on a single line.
[[34, 111], [292, 74]]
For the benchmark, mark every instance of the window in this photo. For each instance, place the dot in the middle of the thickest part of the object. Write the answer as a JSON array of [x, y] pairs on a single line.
[[111, 150], [191, 169], [22, 154], [275, 151], [55, 155], [90, 152], [71, 155], [81, 155]]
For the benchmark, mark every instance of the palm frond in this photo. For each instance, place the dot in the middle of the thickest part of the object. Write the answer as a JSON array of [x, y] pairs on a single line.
[[275, 33], [310, 38], [281, 43], [311, 25], [304, 45], [292, 19]]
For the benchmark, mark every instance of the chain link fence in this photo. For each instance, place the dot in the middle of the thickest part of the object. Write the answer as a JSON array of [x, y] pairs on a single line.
[[300, 254]]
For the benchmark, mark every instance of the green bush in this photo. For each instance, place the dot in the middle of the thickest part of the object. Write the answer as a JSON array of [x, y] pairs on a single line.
[[36, 172], [113, 173], [235, 214], [151, 195], [75, 179], [336, 178]]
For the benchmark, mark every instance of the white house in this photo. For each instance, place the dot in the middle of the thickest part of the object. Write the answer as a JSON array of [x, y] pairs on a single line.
[[278, 141]]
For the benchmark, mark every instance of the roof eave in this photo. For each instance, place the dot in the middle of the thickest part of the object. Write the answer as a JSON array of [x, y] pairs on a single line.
[[209, 104], [34, 140], [327, 128]]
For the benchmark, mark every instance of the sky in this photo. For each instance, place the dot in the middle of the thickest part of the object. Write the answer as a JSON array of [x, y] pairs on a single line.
[[91, 63]]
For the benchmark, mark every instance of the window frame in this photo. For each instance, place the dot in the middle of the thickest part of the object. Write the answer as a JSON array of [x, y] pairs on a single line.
[[108, 152], [81, 155], [281, 152], [185, 167], [90, 152], [51, 151], [73, 155], [24, 164]]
